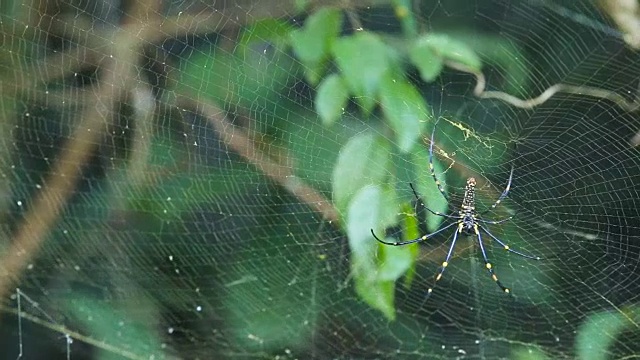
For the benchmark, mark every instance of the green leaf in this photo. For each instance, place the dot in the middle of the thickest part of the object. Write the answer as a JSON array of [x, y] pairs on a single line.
[[278, 327], [492, 49], [178, 193], [10, 9], [600, 331], [331, 98], [254, 77], [263, 68], [405, 109], [364, 213], [379, 295], [275, 32], [126, 328], [427, 188], [393, 261], [315, 148], [363, 59], [211, 73], [390, 207], [506, 55], [171, 193], [410, 231], [363, 161], [312, 43], [529, 353], [301, 5], [425, 59], [313, 72], [449, 48]]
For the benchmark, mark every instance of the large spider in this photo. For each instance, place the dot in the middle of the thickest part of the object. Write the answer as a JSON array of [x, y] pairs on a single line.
[[468, 221]]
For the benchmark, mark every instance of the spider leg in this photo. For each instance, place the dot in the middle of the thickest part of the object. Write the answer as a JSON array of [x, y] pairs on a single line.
[[429, 210], [421, 238], [506, 247], [431, 169], [504, 194], [445, 263], [486, 261]]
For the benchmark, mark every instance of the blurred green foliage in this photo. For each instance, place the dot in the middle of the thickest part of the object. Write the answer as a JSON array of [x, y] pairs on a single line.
[[210, 251]]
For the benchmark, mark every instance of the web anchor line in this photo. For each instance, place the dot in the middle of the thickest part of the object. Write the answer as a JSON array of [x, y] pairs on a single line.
[[21, 295]]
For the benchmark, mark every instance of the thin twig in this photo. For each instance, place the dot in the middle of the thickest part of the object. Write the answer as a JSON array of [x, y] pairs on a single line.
[[479, 91], [61, 329]]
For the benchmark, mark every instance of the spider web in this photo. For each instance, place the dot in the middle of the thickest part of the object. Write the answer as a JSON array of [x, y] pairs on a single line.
[[167, 186]]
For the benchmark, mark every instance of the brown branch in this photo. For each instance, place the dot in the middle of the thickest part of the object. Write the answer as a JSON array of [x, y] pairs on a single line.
[[49, 202], [238, 140]]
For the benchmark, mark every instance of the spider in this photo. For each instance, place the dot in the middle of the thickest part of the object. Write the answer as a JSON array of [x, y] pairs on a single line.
[[467, 221]]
